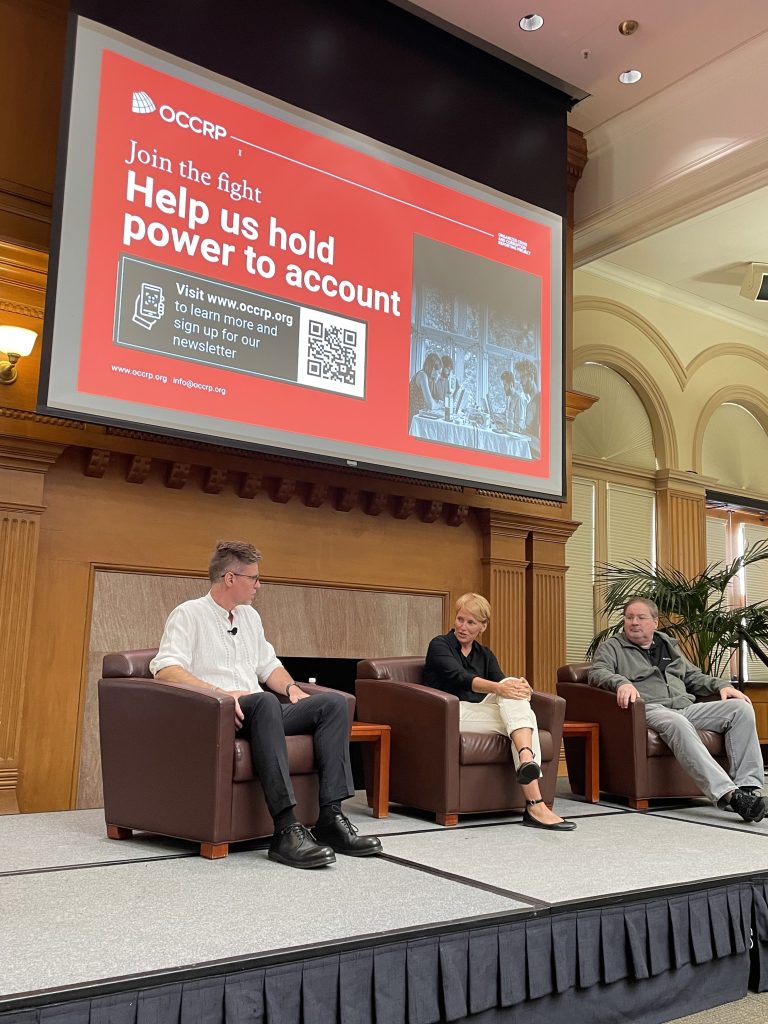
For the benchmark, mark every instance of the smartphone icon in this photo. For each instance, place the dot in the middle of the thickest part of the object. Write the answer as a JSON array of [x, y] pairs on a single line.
[[150, 305]]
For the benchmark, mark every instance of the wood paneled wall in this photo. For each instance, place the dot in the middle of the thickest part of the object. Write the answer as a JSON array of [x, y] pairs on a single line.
[[129, 610]]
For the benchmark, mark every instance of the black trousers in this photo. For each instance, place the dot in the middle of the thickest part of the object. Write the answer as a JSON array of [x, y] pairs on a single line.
[[267, 722]]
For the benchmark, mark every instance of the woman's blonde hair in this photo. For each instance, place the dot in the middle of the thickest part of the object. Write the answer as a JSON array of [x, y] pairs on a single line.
[[476, 605]]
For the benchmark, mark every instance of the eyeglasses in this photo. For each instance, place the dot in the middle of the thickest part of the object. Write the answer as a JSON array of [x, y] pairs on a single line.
[[253, 579], [638, 618]]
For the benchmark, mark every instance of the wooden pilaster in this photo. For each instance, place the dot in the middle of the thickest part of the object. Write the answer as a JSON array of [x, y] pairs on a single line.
[[23, 465]]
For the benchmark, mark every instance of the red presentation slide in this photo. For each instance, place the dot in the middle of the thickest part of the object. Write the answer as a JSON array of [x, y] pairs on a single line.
[[243, 265]]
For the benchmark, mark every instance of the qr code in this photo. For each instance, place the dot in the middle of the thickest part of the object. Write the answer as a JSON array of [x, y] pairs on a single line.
[[332, 352]]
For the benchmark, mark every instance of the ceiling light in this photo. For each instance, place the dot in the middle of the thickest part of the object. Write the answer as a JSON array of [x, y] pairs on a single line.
[[531, 22], [630, 77]]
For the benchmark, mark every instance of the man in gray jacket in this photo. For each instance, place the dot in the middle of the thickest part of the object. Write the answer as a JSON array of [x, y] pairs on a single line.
[[642, 663]]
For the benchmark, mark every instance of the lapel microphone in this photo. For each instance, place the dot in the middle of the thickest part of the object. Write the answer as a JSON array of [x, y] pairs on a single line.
[[233, 631]]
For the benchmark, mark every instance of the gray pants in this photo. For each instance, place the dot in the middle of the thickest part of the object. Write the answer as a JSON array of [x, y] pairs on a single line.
[[735, 719]]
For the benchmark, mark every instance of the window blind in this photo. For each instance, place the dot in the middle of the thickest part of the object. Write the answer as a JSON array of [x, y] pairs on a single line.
[[717, 550], [579, 580], [756, 588], [631, 526]]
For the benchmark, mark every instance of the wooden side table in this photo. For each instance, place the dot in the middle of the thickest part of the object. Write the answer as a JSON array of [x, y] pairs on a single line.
[[758, 694], [378, 735], [590, 733]]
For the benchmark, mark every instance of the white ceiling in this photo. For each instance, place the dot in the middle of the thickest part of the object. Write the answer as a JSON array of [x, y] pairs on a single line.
[[703, 252]]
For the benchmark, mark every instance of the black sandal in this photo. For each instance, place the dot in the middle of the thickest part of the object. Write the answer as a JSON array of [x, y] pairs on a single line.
[[529, 771], [556, 826]]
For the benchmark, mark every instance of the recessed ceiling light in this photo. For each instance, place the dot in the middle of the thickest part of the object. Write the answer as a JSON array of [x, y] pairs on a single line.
[[630, 77], [531, 22]]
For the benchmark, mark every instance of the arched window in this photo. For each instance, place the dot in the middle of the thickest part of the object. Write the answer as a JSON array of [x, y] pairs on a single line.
[[616, 429], [735, 450]]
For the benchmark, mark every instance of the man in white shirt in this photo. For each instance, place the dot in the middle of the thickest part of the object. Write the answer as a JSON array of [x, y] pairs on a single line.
[[217, 642]]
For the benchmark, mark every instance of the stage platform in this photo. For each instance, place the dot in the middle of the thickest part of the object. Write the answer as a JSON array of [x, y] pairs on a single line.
[[663, 911]]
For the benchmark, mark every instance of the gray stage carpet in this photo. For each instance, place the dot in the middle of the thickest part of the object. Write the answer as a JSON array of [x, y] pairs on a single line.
[[78, 908]]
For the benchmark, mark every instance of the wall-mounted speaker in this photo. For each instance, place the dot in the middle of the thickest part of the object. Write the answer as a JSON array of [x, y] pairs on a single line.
[[755, 284]]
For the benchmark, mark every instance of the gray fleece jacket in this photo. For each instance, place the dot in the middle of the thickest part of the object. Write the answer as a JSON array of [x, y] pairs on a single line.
[[675, 685]]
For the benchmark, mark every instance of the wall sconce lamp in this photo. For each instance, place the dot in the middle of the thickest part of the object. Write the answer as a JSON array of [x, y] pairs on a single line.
[[15, 342]]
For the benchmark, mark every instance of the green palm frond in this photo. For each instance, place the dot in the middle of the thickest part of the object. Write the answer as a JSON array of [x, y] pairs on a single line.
[[694, 610]]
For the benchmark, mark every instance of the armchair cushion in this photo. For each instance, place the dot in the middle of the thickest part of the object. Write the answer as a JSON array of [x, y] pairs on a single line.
[[491, 748], [713, 741], [301, 758]]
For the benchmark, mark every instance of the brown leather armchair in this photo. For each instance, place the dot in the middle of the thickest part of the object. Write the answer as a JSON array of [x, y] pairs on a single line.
[[436, 768], [171, 763], [634, 762]]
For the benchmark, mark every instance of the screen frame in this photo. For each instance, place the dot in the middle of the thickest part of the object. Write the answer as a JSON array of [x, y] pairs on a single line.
[[556, 483]]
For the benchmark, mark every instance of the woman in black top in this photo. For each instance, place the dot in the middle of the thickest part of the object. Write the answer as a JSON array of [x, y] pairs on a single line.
[[491, 701]]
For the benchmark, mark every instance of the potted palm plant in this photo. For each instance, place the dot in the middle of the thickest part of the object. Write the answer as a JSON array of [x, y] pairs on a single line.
[[694, 610]]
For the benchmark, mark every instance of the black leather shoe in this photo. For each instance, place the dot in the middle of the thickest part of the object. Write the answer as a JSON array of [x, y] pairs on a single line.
[[556, 826], [341, 835], [529, 771], [749, 806], [296, 847]]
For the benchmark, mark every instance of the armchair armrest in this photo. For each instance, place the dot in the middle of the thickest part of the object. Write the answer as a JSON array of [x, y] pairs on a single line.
[[167, 752], [311, 688], [623, 735], [550, 715], [425, 738]]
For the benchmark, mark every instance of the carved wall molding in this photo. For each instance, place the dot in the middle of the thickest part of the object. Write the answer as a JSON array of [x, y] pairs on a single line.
[[98, 461], [316, 485], [22, 508], [178, 475], [404, 507], [727, 350], [36, 312], [214, 481], [528, 499], [577, 157], [456, 514], [346, 499], [138, 470], [54, 421], [281, 489], [250, 485], [430, 511], [597, 304], [316, 495], [577, 402], [375, 503]]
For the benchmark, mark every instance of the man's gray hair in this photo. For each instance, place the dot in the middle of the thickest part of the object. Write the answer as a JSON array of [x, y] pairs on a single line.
[[230, 555], [652, 607]]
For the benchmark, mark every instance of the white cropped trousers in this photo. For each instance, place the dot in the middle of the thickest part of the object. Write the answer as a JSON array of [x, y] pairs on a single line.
[[501, 715]]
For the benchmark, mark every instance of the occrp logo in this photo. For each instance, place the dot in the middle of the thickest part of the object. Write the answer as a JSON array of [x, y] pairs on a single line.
[[192, 122]]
